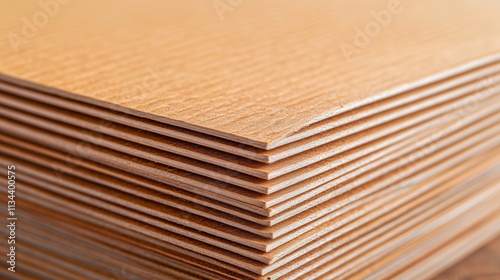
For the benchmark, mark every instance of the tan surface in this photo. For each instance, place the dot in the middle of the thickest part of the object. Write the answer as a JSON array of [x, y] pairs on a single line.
[[139, 185], [107, 116], [477, 78], [456, 239], [266, 71], [161, 215], [454, 144], [183, 165], [392, 242], [179, 142], [483, 264], [473, 206], [325, 144]]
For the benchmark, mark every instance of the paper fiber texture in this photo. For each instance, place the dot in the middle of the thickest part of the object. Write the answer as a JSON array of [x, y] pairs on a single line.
[[255, 72]]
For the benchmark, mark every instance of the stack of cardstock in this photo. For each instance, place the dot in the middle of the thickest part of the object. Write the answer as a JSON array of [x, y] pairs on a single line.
[[249, 140]]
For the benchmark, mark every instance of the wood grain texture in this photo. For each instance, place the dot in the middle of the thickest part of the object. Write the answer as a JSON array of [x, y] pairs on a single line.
[[452, 141], [284, 139], [266, 156], [162, 215], [121, 179], [453, 240], [268, 70], [474, 206], [291, 157], [416, 122]]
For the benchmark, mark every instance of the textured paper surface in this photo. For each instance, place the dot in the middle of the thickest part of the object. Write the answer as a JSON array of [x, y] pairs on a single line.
[[266, 70], [479, 205], [285, 139]]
